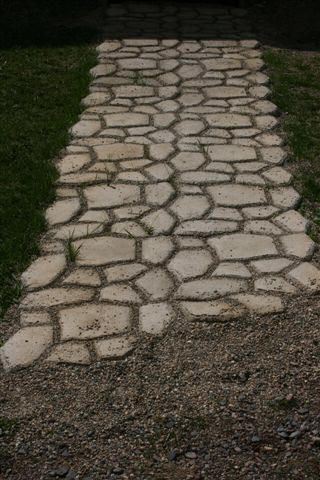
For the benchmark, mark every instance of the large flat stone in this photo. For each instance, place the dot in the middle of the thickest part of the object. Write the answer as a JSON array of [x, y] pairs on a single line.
[[260, 304], [126, 119], [43, 271], [237, 195], [241, 246], [52, 297], [205, 227], [155, 317], [26, 346], [190, 263], [228, 120], [210, 288], [92, 321], [118, 151], [114, 348], [104, 250], [156, 284], [307, 275], [231, 153], [62, 211], [216, 310], [99, 196]]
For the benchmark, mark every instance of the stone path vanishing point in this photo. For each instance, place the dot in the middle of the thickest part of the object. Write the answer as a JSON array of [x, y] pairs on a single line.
[[171, 196]]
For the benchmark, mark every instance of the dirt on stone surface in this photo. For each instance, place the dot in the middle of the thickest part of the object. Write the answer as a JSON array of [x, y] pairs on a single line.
[[229, 400]]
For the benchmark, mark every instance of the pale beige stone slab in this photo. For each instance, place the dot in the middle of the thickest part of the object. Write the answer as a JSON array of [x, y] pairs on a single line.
[[298, 245], [154, 318], [205, 227], [262, 226], [52, 297], [232, 269], [224, 213], [190, 206], [242, 246], [137, 63], [92, 321], [120, 273], [228, 120], [189, 127], [128, 228], [260, 304], [158, 222], [43, 271], [237, 195], [133, 211], [34, 318], [159, 193], [275, 265], [307, 275], [211, 288], [211, 311], [114, 348], [73, 163], [104, 250], [292, 221], [222, 64], [99, 196], [190, 263], [70, 352], [231, 153], [26, 346], [62, 211], [274, 284], [225, 92], [121, 293], [83, 276], [185, 161], [78, 230], [85, 128], [265, 211], [118, 151], [157, 249], [156, 284], [161, 151], [126, 119], [278, 176], [203, 178], [133, 91]]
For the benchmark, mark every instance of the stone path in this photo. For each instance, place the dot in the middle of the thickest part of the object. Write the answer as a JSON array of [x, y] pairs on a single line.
[[171, 196]]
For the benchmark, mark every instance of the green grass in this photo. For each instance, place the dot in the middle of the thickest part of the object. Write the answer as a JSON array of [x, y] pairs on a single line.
[[40, 93], [296, 90]]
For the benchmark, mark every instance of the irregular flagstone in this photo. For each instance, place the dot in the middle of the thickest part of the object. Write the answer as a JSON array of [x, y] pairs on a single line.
[[100, 196], [232, 269], [298, 245], [91, 321], [274, 284], [52, 297], [190, 206], [121, 293], [188, 161], [237, 195], [117, 347], [259, 304], [159, 193], [104, 250], [70, 352], [186, 264], [120, 273], [34, 318], [231, 153], [154, 318], [43, 271], [271, 266], [241, 246], [158, 222], [307, 275], [83, 276], [205, 227], [26, 346], [118, 151], [156, 284], [228, 120], [157, 249], [292, 221], [211, 311], [62, 211], [211, 288]]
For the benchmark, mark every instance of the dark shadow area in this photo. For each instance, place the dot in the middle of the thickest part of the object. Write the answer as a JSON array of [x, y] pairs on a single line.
[[286, 23], [293, 24]]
